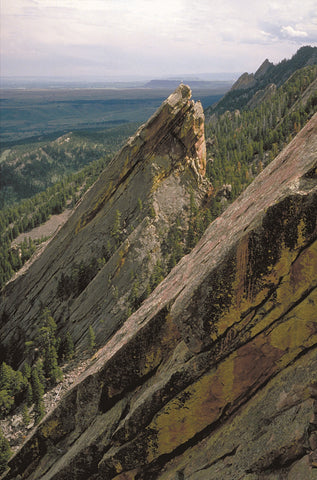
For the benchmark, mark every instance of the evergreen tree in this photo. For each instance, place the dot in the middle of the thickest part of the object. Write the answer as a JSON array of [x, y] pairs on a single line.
[[5, 452], [26, 370], [69, 346], [157, 275], [38, 392], [12, 388], [66, 350], [37, 385], [6, 402], [29, 395], [47, 345], [51, 368], [107, 251], [25, 415]]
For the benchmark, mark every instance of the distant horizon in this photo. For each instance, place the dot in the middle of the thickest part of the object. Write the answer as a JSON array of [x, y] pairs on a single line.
[[124, 81], [211, 76], [137, 38]]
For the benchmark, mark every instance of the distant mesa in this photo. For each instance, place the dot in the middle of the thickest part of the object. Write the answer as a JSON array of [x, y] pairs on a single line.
[[173, 83]]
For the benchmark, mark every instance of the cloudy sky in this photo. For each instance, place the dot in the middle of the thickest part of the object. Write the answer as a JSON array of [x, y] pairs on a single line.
[[111, 38]]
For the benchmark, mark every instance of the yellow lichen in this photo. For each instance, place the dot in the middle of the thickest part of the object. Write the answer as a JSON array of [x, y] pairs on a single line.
[[301, 275], [121, 257], [131, 475], [101, 200], [117, 465], [301, 233], [299, 329], [203, 402], [51, 427], [192, 410], [154, 354], [291, 275]]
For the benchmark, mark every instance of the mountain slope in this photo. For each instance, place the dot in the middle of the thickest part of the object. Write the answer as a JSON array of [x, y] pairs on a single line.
[[215, 375], [241, 143], [248, 85], [115, 247], [30, 168]]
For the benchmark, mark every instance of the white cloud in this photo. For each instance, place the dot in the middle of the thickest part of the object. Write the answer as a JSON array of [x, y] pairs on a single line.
[[291, 32], [205, 35]]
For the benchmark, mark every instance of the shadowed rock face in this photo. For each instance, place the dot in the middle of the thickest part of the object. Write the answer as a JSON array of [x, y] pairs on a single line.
[[215, 376], [149, 185], [246, 80]]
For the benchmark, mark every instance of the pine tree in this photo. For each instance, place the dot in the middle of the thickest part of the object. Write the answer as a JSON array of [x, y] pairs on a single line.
[[6, 402], [37, 385], [69, 347], [29, 395], [51, 367], [25, 415], [66, 348], [5, 452], [47, 344], [12, 385], [38, 392], [26, 370], [157, 275]]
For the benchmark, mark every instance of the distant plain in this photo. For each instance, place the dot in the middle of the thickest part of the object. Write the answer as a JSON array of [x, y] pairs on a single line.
[[37, 114]]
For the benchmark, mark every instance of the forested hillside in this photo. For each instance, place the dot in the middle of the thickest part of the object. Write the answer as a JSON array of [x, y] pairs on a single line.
[[30, 213], [28, 169], [241, 143], [241, 93]]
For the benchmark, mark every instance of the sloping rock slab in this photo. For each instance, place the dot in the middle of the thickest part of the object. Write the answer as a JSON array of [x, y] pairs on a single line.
[[215, 375]]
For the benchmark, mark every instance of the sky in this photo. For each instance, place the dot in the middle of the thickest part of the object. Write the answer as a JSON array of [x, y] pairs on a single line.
[[150, 38]]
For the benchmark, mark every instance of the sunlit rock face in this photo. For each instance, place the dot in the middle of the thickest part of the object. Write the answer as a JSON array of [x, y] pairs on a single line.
[[119, 230], [215, 375]]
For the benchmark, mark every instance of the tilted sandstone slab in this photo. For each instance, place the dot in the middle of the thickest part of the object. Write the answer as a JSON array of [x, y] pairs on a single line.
[[145, 189], [215, 375]]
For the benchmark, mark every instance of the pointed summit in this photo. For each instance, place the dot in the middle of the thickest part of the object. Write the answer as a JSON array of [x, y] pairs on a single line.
[[263, 69], [115, 247], [245, 81]]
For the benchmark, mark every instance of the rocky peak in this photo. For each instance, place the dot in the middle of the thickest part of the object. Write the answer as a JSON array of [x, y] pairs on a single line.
[[117, 236], [266, 65], [246, 80], [262, 95]]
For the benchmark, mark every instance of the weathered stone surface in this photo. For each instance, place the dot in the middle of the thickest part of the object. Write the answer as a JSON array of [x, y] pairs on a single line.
[[246, 80], [215, 375], [264, 439], [262, 96], [149, 182], [263, 69]]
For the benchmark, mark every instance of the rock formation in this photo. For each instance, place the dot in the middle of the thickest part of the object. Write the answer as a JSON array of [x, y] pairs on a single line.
[[263, 69], [262, 96], [215, 375], [245, 81], [119, 231], [248, 84]]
